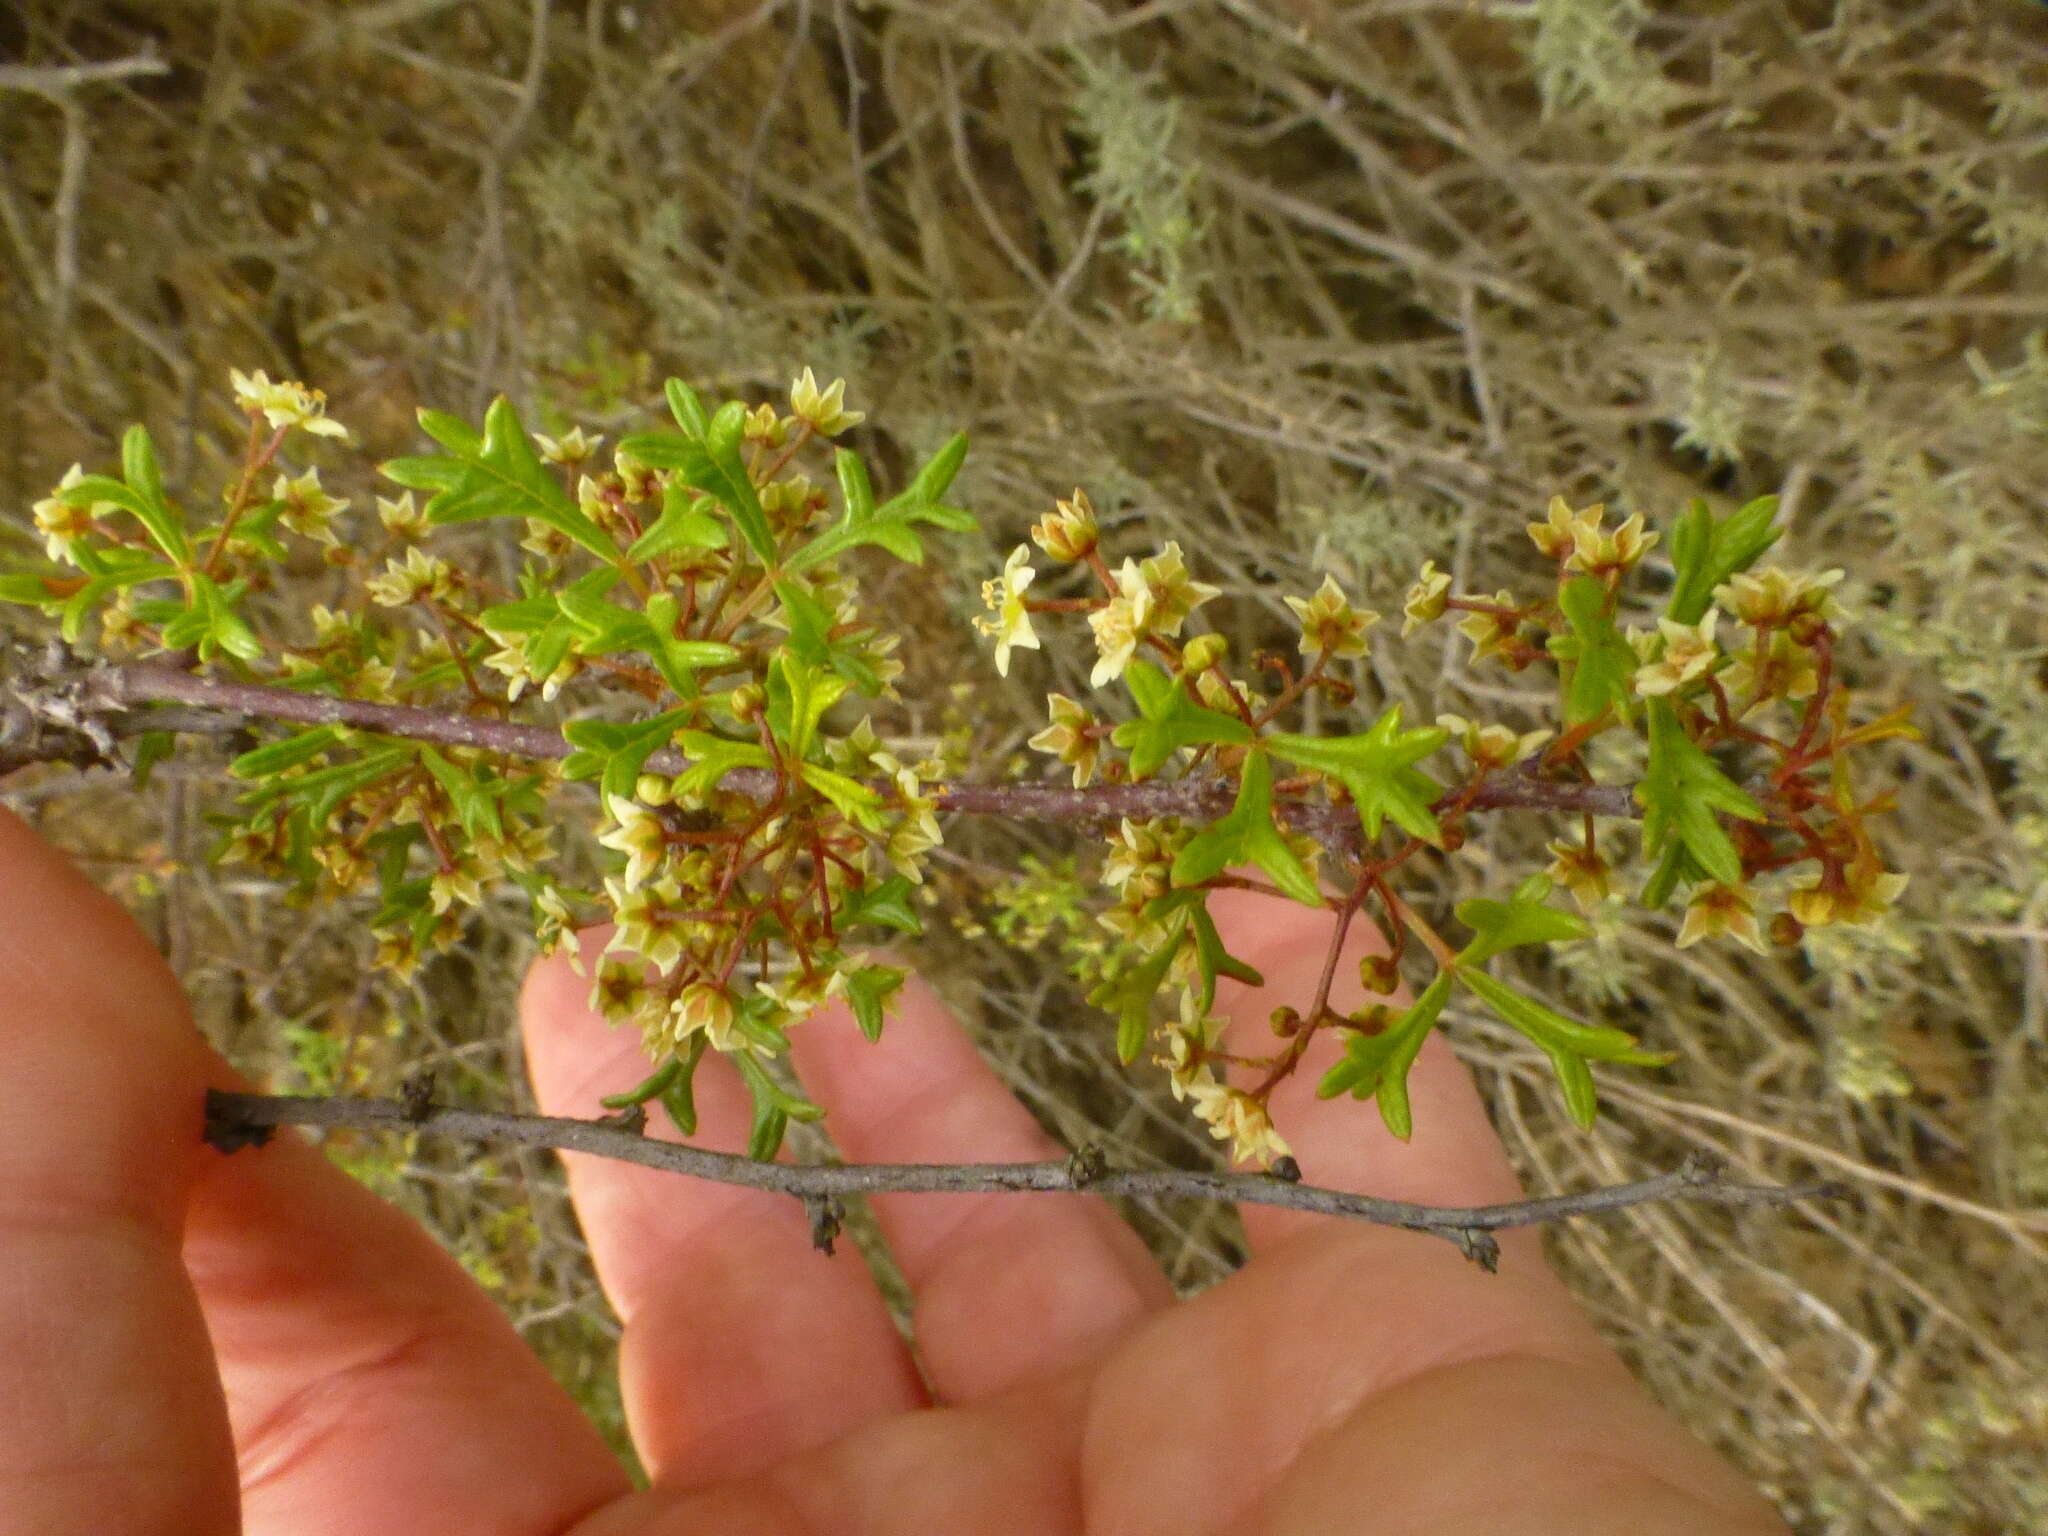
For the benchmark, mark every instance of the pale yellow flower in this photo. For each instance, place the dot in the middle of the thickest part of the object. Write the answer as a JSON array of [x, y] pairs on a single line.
[[308, 509], [1492, 746], [1773, 594], [1005, 596], [1490, 632], [1582, 871], [1689, 653], [1068, 532], [1330, 624], [1426, 599], [1068, 737], [637, 833], [1120, 625], [702, 1006], [1860, 901], [284, 404], [1600, 553], [1716, 909], [574, 446], [418, 575], [402, 517], [1562, 529], [822, 408], [1175, 594], [61, 524]]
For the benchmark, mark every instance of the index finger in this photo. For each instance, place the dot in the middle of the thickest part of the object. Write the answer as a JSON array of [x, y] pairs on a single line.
[[101, 1091]]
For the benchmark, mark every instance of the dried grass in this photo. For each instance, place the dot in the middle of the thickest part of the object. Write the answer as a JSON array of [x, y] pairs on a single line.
[[1312, 286]]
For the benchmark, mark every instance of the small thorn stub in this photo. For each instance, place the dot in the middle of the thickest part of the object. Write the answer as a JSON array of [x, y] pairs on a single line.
[[828, 1218], [1086, 1165], [416, 1096], [632, 1120], [228, 1131]]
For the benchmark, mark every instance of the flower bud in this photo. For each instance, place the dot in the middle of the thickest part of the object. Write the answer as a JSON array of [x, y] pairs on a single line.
[[1203, 652], [1068, 532]]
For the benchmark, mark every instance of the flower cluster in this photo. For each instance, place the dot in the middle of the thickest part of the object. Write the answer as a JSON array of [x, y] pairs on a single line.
[[684, 603], [1788, 832]]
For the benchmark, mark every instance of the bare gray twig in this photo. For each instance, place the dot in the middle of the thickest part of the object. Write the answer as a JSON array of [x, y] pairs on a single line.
[[236, 1120]]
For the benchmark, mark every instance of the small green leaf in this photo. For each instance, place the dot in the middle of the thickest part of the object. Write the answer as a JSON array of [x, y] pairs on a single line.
[[1680, 793], [891, 525], [870, 991], [766, 1091], [1375, 769], [151, 748], [1526, 918], [1706, 553], [935, 476], [1599, 661], [1168, 720], [854, 800], [497, 474], [885, 904], [687, 409], [1552, 1030], [712, 758], [475, 802], [1247, 835], [1213, 960], [1676, 865], [679, 1098], [291, 752], [651, 1088], [452, 433], [31, 590], [798, 696], [682, 525], [1130, 992], [145, 479], [1379, 1064]]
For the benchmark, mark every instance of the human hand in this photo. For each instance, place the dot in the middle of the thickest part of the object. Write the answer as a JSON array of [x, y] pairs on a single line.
[[184, 1335]]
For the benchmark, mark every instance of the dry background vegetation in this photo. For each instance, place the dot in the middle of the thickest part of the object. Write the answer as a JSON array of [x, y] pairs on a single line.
[[1311, 286]]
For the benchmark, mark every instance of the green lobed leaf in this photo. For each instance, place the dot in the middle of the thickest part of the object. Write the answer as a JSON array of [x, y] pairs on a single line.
[[1376, 771], [687, 409], [885, 904], [1680, 792], [1247, 835], [32, 590], [890, 525], [1213, 960], [1129, 993], [1599, 660], [1552, 1030], [1525, 918], [682, 525], [799, 693], [712, 758], [151, 748], [774, 1106], [679, 1098], [857, 802], [870, 991], [1705, 553], [1168, 720], [473, 796], [497, 474], [1379, 1064]]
